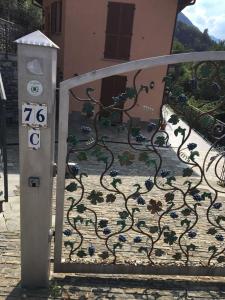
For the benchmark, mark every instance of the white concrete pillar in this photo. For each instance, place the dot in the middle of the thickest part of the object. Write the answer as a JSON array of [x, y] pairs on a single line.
[[37, 59]]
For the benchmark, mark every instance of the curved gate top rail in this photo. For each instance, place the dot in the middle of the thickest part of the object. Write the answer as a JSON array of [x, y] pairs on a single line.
[[142, 64]]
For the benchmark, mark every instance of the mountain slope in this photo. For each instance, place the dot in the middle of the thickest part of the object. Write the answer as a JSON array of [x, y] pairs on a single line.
[[182, 18], [185, 20], [189, 38]]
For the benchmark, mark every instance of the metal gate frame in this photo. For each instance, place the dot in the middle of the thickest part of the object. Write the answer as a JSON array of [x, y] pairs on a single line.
[[65, 88], [3, 135]]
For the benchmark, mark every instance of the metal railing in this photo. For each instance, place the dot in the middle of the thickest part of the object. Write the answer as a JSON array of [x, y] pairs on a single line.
[[9, 32], [3, 135]]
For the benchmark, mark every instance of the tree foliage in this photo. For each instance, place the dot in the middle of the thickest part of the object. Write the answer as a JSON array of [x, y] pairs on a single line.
[[21, 12], [191, 38], [203, 84]]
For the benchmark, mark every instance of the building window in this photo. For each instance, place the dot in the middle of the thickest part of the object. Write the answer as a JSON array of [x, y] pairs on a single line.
[[119, 30], [56, 17]]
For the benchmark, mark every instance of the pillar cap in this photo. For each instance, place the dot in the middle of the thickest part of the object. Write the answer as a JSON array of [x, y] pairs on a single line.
[[36, 38]]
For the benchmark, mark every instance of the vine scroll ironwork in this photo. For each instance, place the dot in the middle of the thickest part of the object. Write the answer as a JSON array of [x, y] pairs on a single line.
[[134, 201]]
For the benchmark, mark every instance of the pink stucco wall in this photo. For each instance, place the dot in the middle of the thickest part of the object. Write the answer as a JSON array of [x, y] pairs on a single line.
[[83, 39]]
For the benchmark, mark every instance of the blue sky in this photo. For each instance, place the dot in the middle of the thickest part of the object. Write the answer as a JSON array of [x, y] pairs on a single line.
[[208, 14]]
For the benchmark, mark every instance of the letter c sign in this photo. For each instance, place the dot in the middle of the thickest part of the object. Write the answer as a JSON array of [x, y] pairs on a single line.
[[34, 138]]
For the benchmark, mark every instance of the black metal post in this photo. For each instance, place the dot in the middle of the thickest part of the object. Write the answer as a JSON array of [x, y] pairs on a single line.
[[3, 143]]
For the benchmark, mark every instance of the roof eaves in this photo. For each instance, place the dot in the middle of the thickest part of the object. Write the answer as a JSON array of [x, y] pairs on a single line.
[[183, 3]]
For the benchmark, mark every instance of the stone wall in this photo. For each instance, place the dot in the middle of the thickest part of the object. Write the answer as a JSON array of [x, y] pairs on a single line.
[[8, 69]]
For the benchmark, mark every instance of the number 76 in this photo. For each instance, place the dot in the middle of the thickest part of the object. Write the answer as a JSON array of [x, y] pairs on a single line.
[[35, 115]]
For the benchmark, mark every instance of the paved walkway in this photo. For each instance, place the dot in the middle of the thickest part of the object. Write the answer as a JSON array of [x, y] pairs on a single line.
[[65, 286]]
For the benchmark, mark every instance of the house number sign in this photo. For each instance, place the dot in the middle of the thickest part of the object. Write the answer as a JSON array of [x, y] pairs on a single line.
[[34, 115], [34, 138]]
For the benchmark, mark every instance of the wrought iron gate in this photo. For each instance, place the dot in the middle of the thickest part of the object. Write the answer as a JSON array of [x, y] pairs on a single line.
[[139, 197], [3, 150]]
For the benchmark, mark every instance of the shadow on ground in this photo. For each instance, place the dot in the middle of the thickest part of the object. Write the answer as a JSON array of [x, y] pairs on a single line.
[[85, 288]]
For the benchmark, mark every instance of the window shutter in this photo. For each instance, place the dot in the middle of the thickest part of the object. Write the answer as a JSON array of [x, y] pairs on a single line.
[[126, 30], [119, 30], [127, 19], [112, 19], [124, 46], [111, 43], [112, 30]]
